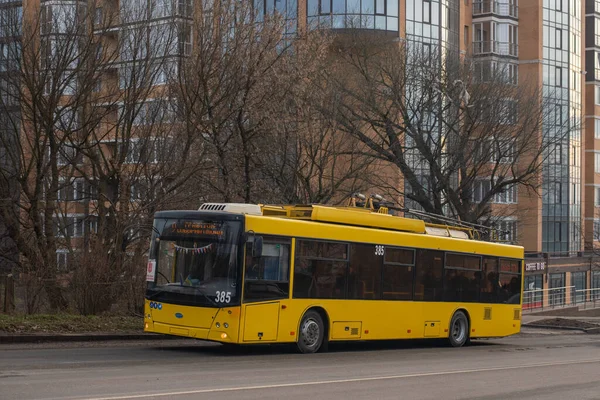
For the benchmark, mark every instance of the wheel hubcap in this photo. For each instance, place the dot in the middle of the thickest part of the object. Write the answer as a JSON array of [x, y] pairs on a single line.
[[458, 330], [310, 333]]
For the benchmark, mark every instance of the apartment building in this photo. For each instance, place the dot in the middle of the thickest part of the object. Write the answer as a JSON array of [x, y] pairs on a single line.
[[555, 43]]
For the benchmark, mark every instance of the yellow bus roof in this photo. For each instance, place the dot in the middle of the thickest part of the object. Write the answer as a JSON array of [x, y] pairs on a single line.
[[363, 225]]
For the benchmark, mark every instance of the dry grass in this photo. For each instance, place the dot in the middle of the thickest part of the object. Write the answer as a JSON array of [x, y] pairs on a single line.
[[69, 323]]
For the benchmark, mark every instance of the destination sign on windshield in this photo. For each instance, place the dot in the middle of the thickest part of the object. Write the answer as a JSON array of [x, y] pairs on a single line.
[[195, 228]]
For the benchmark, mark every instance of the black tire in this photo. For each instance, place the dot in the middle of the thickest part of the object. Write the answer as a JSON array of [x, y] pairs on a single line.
[[311, 334], [459, 330]]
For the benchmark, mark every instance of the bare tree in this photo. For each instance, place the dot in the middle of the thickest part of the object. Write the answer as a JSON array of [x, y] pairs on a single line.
[[42, 101], [236, 91], [457, 136], [307, 160]]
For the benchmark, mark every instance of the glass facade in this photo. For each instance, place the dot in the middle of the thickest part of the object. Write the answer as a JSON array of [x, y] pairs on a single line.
[[557, 293], [432, 29], [596, 285], [533, 293], [360, 14], [578, 281], [288, 9], [561, 202]]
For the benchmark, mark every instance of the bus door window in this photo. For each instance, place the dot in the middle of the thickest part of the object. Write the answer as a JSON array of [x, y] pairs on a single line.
[[267, 277]]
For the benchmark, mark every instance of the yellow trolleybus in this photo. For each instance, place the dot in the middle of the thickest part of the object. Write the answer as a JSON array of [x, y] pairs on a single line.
[[310, 275]]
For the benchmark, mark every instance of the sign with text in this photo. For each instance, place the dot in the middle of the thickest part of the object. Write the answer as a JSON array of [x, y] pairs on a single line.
[[536, 266], [150, 272], [195, 228]]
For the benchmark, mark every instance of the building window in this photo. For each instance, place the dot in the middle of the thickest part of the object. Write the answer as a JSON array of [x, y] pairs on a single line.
[[466, 35], [597, 128], [558, 38], [597, 163], [597, 95], [556, 294], [63, 259], [578, 280], [556, 155], [98, 16], [507, 196], [506, 229], [596, 285], [368, 14], [426, 11], [558, 77], [596, 232], [481, 188], [507, 112], [597, 196]]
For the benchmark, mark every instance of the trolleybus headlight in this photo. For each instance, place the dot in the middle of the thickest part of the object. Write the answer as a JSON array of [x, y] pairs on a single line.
[[223, 336], [226, 325], [218, 325]]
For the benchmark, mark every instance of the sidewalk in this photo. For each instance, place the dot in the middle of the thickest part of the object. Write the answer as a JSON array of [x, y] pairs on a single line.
[[9, 338], [528, 319]]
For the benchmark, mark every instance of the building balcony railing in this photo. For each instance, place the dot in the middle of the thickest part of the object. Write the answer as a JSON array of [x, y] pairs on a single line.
[[494, 47], [495, 7]]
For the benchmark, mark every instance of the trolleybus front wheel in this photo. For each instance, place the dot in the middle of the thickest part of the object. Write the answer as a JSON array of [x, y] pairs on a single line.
[[459, 329], [312, 332]]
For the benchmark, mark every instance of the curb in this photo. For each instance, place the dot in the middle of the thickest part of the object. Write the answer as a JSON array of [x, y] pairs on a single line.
[[565, 328], [90, 337]]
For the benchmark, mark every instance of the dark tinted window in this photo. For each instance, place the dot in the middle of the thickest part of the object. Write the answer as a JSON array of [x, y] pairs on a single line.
[[428, 280], [399, 256], [398, 271], [463, 261], [267, 277], [364, 273], [397, 282], [462, 277], [318, 249], [490, 286], [511, 266], [461, 285], [510, 288], [318, 273]]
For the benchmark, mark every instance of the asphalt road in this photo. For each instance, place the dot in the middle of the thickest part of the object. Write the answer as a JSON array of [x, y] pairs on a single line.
[[532, 365]]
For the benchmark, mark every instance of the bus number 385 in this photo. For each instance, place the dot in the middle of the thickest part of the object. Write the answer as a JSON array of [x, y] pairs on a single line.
[[223, 297]]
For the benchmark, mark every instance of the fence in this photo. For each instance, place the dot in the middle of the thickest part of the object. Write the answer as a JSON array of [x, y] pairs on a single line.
[[565, 296]]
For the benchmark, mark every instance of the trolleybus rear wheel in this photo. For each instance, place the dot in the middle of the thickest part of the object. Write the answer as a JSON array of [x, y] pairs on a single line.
[[459, 329], [312, 332]]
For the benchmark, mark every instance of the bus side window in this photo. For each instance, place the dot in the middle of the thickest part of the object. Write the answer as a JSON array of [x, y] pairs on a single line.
[[490, 288], [364, 272], [398, 270], [267, 277], [428, 277], [320, 269]]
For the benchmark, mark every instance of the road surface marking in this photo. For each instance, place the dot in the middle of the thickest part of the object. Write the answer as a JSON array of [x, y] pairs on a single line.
[[337, 381]]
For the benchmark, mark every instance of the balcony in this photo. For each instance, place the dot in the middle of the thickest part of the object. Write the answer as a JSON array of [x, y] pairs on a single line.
[[496, 8], [496, 48]]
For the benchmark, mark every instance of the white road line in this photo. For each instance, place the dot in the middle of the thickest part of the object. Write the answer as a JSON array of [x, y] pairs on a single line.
[[337, 381]]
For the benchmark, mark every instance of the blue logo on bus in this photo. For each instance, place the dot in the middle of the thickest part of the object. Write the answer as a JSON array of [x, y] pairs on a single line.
[[178, 315], [155, 305]]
